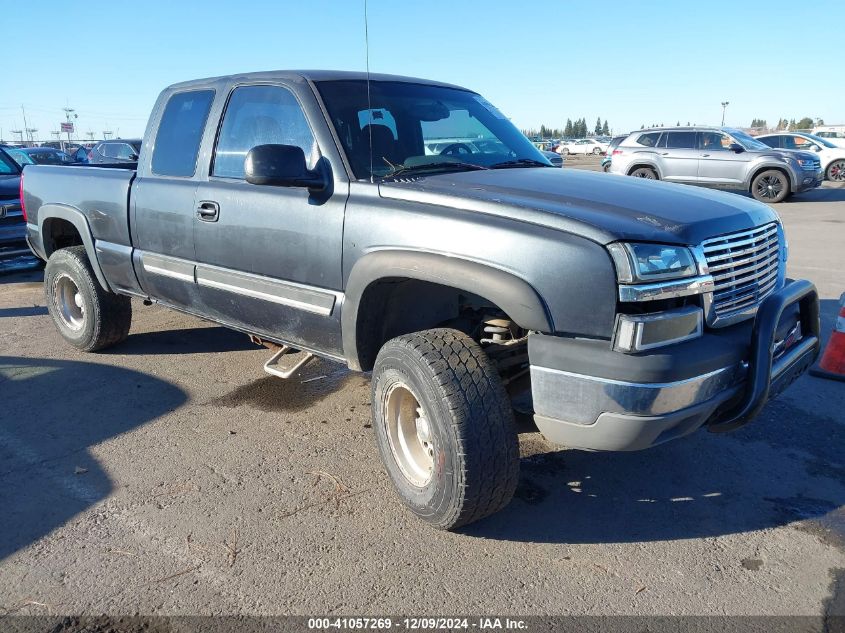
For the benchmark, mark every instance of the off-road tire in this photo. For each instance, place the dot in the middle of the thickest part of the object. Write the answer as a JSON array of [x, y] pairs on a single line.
[[105, 317], [645, 172], [475, 446], [779, 180]]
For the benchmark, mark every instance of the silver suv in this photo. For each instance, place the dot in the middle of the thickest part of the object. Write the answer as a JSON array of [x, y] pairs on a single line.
[[717, 157]]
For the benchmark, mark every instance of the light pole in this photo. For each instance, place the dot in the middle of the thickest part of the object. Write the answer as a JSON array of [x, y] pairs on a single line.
[[725, 105]]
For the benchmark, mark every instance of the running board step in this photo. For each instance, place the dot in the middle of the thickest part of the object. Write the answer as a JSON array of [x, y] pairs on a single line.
[[273, 368]]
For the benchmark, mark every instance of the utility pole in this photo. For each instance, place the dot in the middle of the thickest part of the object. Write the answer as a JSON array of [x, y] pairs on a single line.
[[30, 133], [68, 112], [107, 134], [18, 132], [725, 105], [25, 124]]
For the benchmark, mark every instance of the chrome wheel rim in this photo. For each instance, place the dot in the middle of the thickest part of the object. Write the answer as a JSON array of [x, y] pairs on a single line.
[[769, 187], [836, 171], [644, 173], [409, 435], [68, 301]]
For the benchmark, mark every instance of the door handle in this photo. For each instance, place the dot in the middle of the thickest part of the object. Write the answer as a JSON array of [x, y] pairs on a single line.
[[664, 153], [208, 211], [705, 155]]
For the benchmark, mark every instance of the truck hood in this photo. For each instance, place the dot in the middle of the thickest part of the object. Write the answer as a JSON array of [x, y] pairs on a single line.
[[601, 207]]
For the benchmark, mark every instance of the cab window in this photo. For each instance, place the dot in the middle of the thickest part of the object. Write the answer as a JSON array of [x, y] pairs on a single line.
[[260, 115]]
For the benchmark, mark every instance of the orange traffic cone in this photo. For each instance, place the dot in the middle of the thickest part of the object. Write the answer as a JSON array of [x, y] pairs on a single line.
[[832, 364]]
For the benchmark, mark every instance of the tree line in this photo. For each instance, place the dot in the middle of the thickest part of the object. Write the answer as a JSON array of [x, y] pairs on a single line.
[[789, 124], [573, 129]]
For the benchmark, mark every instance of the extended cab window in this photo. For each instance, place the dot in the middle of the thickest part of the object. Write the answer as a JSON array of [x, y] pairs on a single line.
[[179, 133], [260, 115]]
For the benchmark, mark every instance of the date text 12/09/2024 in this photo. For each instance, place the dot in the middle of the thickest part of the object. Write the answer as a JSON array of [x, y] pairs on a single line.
[[417, 624]]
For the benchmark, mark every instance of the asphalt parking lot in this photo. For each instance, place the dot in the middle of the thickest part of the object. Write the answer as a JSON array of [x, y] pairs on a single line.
[[170, 475]]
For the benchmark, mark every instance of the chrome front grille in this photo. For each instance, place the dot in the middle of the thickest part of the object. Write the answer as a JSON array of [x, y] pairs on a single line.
[[745, 268]]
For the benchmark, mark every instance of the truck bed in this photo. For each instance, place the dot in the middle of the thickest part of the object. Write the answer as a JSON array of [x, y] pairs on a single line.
[[100, 194]]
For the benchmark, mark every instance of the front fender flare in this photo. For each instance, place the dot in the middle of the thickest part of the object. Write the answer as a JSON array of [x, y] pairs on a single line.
[[79, 221], [511, 293]]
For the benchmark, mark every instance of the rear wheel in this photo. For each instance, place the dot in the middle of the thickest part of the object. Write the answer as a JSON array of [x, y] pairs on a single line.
[[645, 172], [597, 150], [836, 171], [566, 151], [87, 316], [770, 186], [444, 427]]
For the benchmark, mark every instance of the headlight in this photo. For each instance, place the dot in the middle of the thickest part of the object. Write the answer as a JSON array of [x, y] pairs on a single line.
[[651, 262], [805, 163]]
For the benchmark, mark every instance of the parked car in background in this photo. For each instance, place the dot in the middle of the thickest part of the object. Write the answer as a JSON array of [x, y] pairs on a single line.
[[115, 151], [614, 142], [554, 158], [833, 133], [717, 157], [81, 155], [12, 223], [583, 146], [832, 156], [47, 156]]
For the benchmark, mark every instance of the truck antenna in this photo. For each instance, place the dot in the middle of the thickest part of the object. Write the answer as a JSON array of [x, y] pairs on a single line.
[[369, 102]]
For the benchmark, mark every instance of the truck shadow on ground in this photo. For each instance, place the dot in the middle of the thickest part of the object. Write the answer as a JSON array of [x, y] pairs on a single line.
[[785, 467], [53, 412], [197, 340]]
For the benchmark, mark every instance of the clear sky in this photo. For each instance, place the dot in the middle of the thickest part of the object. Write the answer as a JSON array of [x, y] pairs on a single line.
[[633, 63]]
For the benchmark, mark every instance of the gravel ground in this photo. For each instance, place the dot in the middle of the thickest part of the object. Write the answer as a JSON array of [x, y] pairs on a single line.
[[165, 477]]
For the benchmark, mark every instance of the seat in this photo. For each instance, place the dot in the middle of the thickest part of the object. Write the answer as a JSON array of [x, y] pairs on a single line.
[[383, 143]]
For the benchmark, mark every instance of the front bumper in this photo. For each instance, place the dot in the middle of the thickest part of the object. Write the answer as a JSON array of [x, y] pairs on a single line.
[[587, 396], [807, 180]]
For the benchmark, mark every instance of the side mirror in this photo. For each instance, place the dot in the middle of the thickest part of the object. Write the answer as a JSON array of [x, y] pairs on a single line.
[[133, 157], [817, 148], [280, 166], [736, 148]]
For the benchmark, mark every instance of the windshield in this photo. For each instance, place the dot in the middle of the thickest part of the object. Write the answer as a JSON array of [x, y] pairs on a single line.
[[418, 126], [21, 158], [7, 165], [748, 142], [821, 141]]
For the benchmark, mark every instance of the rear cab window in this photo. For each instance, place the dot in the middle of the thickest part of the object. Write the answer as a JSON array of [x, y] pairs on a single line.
[[180, 132]]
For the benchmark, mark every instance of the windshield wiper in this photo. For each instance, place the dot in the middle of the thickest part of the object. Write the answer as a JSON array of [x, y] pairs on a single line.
[[520, 162], [438, 166]]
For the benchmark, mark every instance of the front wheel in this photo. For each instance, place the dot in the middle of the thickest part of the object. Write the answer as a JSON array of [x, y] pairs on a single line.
[[770, 186], [836, 171], [444, 427], [87, 316]]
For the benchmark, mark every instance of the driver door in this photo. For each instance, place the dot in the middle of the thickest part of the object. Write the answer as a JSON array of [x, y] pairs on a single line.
[[268, 258], [718, 163]]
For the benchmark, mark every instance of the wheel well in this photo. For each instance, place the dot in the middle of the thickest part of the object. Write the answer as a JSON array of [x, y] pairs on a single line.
[[633, 168], [762, 169], [392, 307], [58, 233]]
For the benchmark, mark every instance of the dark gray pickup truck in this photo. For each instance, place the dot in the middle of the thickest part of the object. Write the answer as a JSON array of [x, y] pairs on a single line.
[[407, 228]]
